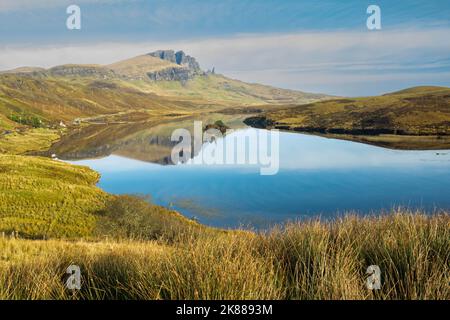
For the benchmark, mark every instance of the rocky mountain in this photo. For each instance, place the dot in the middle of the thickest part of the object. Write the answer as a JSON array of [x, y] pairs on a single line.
[[160, 82], [161, 65], [180, 58]]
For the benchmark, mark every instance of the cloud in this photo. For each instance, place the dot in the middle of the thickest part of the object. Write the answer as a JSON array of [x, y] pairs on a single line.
[[24, 5], [315, 61]]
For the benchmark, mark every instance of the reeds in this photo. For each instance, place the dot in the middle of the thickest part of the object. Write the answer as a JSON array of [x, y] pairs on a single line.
[[304, 260]]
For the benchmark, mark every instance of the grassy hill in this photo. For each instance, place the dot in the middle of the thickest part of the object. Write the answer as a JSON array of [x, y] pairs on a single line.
[[139, 66], [23, 141], [120, 93], [130, 91], [226, 92], [415, 117], [56, 99], [43, 198], [69, 91]]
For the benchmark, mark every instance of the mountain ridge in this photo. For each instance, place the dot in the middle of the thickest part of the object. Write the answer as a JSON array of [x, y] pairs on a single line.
[[163, 81], [161, 65]]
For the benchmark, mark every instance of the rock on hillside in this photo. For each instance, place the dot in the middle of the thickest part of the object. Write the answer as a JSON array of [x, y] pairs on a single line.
[[180, 58], [188, 66]]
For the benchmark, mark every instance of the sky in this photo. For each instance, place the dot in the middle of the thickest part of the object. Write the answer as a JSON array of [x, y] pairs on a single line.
[[316, 46]]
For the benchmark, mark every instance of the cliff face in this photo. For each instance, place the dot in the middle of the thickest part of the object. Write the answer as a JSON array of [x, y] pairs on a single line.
[[171, 74], [188, 66], [162, 65], [179, 58]]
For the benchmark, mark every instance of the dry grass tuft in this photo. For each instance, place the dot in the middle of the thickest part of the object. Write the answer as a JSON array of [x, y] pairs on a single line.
[[305, 260]]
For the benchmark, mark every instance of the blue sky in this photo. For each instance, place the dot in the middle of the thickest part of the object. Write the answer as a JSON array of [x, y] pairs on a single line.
[[320, 46]]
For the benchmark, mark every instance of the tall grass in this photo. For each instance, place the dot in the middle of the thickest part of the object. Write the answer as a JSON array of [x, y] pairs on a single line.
[[305, 260], [329, 260]]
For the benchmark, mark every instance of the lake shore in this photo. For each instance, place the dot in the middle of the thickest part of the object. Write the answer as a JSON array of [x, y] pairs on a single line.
[[164, 255], [376, 138]]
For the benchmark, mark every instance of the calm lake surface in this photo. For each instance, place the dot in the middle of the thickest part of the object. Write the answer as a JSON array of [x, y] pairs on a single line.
[[317, 176]]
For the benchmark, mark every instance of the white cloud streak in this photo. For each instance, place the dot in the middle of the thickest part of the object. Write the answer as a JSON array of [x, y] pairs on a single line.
[[300, 61], [23, 5]]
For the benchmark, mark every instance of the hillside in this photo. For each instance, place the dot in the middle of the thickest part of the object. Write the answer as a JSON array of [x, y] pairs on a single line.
[[56, 99], [420, 115], [44, 198], [152, 88], [138, 67], [159, 80]]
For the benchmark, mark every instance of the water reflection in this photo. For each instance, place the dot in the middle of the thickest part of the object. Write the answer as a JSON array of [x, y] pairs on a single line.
[[317, 176], [145, 141]]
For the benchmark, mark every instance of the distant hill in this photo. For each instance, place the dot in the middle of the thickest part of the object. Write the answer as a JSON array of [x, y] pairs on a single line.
[[139, 67], [164, 80], [418, 111], [24, 70]]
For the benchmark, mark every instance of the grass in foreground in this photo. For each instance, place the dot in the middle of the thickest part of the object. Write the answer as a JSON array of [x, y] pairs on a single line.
[[309, 260], [42, 198], [140, 251]]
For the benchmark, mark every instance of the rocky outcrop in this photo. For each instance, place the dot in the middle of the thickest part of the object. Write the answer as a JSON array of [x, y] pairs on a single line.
[[179, 58], [187, 61], [189, 67], [168, 55], [171, 74]]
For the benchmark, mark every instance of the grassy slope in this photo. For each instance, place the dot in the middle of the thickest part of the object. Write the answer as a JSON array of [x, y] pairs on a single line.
[[423, 111], [229, 92], [20, 142], [56, 99], [139, 66], [43, 198], [311, 260], [59, 99]]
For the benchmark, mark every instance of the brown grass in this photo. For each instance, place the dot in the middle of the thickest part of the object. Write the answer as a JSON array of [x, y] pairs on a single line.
[[308, 260]]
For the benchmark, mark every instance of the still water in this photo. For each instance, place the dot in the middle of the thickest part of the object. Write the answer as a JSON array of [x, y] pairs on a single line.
[[317, 177]]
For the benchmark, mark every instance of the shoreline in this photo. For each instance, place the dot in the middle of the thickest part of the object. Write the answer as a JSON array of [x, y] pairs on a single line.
[[407, 142]]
